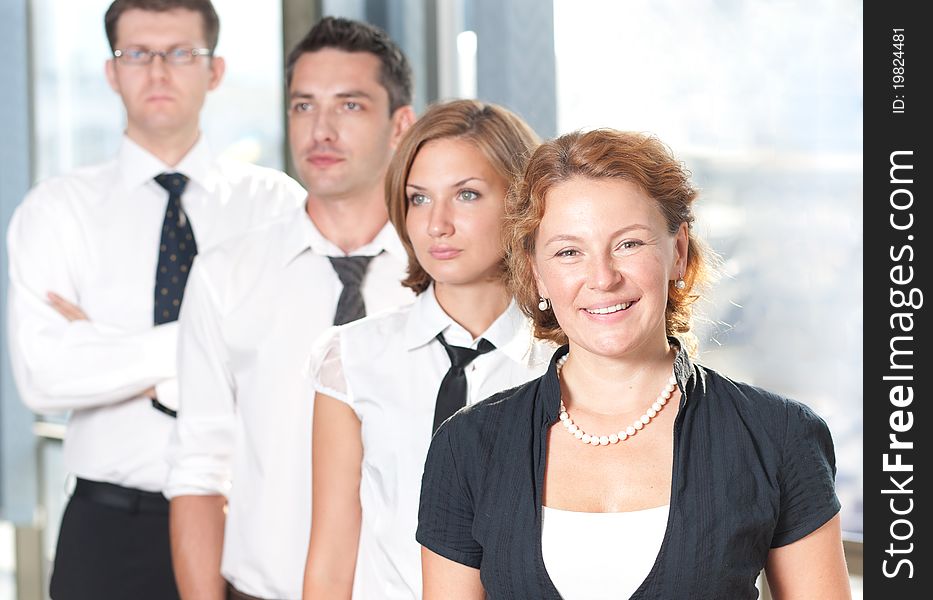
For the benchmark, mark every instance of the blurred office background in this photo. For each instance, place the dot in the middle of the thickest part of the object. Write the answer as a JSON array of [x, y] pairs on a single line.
[[761, 99]]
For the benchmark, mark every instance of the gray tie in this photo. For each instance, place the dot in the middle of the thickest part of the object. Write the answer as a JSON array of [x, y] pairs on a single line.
[[350, 270]]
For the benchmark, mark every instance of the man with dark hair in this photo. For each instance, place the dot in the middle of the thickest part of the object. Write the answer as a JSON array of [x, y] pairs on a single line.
[[351, 36], [99, 261], [210, 23], [240, 484]]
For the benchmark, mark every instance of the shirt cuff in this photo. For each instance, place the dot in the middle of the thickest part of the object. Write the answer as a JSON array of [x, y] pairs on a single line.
[[195, 484]]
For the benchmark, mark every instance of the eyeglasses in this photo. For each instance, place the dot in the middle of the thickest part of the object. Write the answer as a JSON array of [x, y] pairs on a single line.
[[172, 56]]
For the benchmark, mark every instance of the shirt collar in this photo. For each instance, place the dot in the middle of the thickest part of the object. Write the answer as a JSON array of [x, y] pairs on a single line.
[[550, 386], [304, 235], [138, 166], [683, 366], [387, 240], [510, 332]]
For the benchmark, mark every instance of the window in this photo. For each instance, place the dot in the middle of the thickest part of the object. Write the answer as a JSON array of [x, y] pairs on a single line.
[[762, 101]]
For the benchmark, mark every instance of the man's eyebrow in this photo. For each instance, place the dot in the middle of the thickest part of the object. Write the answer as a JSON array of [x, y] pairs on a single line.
[[354, 94], [347, 94]]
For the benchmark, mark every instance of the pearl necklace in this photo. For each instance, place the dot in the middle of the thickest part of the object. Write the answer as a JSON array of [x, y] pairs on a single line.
[[621, 436]]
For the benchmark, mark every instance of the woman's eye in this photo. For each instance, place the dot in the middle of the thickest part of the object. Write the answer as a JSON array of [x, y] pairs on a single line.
[[568, 252], [418, 199], [630, 244], [467, 195]]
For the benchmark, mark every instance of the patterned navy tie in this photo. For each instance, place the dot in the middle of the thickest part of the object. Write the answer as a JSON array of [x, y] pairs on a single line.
[[350, 270], [177, 250], [452, 395]]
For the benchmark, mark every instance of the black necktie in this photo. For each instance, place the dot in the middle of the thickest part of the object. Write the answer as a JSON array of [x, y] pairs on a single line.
[[177, 250], [452, 395], [350, 270]]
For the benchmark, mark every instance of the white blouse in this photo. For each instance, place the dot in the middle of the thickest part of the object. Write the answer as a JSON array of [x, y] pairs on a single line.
[[600, 555], [388, 369]]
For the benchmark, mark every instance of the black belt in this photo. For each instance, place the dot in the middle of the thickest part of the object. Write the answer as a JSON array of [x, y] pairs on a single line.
[[123, 498], [235, 594]]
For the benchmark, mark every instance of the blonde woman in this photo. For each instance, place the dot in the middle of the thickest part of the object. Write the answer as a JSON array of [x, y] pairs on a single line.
[[385, 383]]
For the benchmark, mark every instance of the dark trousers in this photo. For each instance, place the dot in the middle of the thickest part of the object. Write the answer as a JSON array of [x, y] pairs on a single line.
[[113, 545]]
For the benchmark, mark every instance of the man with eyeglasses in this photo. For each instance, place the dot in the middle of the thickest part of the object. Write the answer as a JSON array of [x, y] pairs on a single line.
[[99, 261]]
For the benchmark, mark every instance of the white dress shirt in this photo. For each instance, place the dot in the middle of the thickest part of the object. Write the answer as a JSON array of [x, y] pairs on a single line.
[[388, 369], [618, 550], [252, 311], [93, 238]]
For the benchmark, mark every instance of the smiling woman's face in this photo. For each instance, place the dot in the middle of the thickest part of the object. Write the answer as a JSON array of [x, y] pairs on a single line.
[[605, 259]]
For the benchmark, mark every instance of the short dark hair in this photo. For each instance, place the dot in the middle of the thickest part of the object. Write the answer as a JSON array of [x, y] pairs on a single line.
[[355, 36], [203, 7]]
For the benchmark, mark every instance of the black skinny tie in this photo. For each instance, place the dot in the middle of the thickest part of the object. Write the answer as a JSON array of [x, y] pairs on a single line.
[[452, 395], [350, 270]]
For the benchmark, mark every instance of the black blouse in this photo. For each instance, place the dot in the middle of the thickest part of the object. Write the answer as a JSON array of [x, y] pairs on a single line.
[[752, 471]]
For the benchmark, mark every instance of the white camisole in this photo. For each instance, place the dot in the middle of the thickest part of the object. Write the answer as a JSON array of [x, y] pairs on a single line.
[[601, 555]]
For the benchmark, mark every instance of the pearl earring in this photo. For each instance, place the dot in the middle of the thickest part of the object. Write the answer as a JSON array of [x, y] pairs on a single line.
[[544, 304], [680, 283]]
